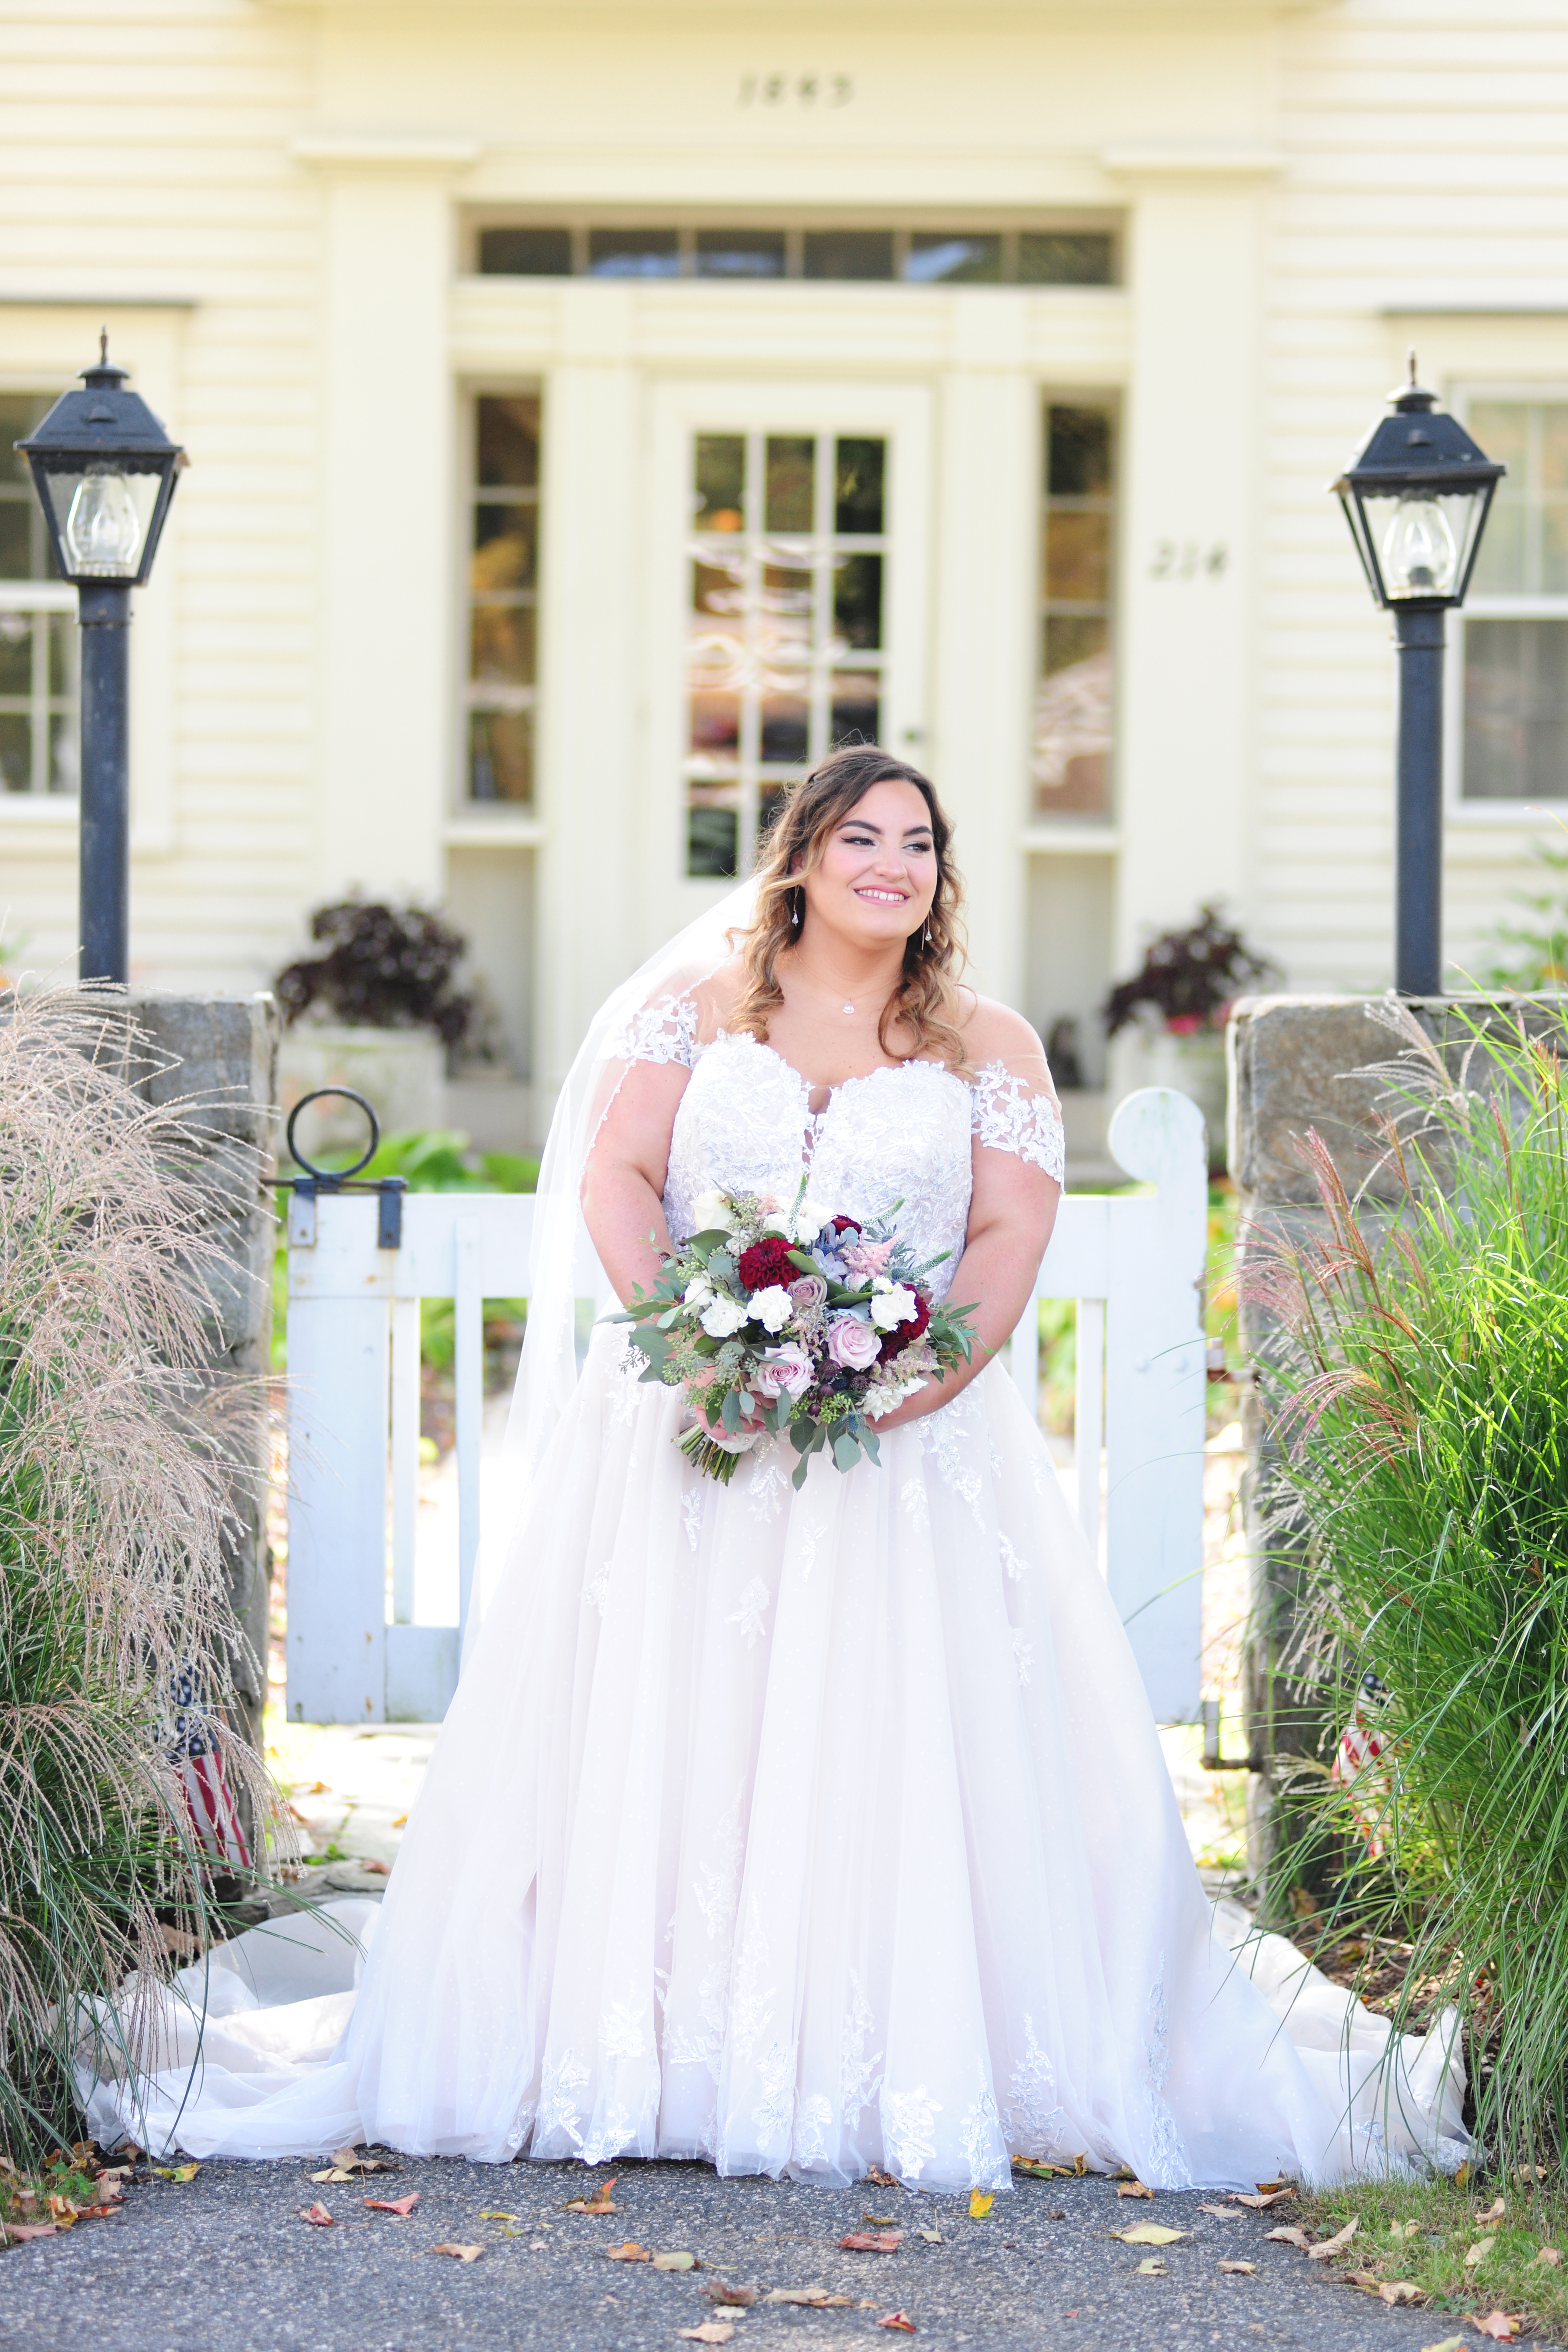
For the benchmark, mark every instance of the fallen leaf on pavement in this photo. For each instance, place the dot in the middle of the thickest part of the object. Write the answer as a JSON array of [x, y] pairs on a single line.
[[1080, 2164], [885, 2241], [1400, 2291], [1246, 2269], [334, 2172], [881, 2220], [176, 2171], [713, 2331], [1152, 2266], [1273, 2187], [462, 2254], [1291, 2236], [720, 2292], [931, 2237], [1494, 2212], [1548, 2258], [1449, 2343], [1133, 2188], [1331, 2246], [883, 2180], [598, 2203], [1220, 2212], [676, 2262], [1149, 2233], [349, 2158], [630, 2252], [1478, 2253], [901, 2320], [21, 2230], [1499, 2324], [1264, 2199], [487, 2212], [1037, 2172], [1364, 2279], [980, 2203], [816, 2297], [318, 2214], [396, 2204]]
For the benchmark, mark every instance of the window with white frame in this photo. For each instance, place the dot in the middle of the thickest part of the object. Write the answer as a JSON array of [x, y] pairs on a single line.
[[39, 724], [504, 599], [1514, 727]]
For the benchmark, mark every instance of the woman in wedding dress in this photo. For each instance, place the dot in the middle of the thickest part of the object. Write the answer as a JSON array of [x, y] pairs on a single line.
[[811, 1829]]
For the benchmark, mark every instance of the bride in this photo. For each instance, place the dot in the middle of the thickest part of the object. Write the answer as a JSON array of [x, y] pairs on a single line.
[[811, 1829]]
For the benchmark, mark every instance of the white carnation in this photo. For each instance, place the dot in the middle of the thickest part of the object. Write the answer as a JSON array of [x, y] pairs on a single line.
[[697, 1291], [809, 1220], [773, 1307], [893, 1305], [723, 1318]]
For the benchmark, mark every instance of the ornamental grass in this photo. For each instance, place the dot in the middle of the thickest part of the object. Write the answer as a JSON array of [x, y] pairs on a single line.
[[114, 1504], [1415, 1380]]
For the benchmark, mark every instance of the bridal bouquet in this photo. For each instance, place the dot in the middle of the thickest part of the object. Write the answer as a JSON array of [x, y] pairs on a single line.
[[794, 1321]]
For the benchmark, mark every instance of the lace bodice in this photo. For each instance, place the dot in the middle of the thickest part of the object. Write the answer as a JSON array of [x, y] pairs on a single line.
[[903, 1134]]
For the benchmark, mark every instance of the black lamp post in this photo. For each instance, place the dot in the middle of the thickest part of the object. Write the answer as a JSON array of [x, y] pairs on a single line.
[[104, 470], [1416, 496]]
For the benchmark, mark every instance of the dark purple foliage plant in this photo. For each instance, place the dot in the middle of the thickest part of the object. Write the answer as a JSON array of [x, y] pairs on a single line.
[[382, 966], [1190, 978]]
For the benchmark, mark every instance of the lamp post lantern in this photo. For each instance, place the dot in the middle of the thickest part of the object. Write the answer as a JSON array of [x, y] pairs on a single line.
[[104, 470], [1415, 496]]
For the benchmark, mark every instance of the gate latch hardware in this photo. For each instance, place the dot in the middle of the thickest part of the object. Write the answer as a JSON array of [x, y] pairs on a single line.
[[305, 1190]]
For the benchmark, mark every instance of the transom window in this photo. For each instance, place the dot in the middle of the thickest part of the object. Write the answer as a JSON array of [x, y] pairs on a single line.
[[785, 646], [38, 720], [1515, 727], [1075, 702], [933, 253], [503, 598]]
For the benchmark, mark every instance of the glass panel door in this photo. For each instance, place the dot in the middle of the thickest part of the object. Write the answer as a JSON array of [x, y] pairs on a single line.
[[785, 645], [800, 602]]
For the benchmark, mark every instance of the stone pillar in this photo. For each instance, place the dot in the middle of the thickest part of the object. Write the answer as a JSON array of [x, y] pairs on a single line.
[[223, 1053]]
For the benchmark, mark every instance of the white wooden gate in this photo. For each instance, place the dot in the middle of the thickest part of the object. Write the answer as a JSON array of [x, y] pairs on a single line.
[[1133, 1262]]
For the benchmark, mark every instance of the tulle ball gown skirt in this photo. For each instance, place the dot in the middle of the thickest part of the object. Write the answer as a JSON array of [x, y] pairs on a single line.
[[803, 1830]]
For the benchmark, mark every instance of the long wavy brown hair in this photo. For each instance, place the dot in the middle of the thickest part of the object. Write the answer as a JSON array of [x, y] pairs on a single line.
[[925, 1002]]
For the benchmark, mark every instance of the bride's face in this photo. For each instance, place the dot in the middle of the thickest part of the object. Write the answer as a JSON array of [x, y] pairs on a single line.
[[877, 875]]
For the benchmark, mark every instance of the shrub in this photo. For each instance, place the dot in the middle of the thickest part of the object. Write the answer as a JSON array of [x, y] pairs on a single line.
[[1417, 1381], [1189, 979], [385, 967], [115, 1637]]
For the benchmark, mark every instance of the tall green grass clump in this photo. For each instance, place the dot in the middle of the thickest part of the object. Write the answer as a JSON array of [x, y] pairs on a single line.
[[113, 1623], [1417, 1381]]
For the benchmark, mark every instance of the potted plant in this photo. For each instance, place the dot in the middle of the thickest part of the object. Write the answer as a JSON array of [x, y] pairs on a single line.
[[379, 1010], [1170, 1016]]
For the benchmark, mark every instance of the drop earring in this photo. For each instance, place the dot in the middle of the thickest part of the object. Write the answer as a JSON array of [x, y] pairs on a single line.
[[927, 935], [795, 910]]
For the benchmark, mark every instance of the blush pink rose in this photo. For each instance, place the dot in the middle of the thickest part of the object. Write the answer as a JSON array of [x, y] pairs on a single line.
[[808, 1292], [784, 1371], [851, 1343]]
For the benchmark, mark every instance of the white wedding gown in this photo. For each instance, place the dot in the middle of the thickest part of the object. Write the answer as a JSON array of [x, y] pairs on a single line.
[[801, 1831]]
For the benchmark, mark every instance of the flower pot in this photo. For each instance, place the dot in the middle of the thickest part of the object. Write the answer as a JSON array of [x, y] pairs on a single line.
[[1193, 1063], [402, 1072]]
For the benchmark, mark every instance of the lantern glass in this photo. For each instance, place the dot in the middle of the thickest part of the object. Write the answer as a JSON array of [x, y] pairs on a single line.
[[102, 519], [1424, 541]]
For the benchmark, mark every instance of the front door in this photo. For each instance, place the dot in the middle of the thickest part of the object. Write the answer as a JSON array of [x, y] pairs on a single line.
[[792, 592]]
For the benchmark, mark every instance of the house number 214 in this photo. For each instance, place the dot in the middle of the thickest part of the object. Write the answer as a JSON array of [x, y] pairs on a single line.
[[1188, 558]]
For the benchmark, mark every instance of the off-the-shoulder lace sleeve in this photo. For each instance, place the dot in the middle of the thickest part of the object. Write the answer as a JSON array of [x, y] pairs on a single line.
[[1010, 1114], [662, 1032]]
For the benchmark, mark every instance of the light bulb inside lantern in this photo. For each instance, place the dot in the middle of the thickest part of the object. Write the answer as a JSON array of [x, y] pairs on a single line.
[[1419, 557], [103, 529]]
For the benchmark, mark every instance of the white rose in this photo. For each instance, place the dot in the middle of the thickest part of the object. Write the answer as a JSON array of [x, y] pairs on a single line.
[[894, 1303], [772, 1307], [697, 1291], [711, 1211], [809, 1220], [723, 1318]]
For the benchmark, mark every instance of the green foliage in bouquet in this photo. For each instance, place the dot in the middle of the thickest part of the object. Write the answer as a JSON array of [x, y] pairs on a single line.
[[1416, 1380]]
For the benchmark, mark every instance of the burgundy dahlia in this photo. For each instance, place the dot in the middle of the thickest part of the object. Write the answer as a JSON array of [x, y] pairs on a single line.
[[903, 1335], [844, 1225], [767, 1262]]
